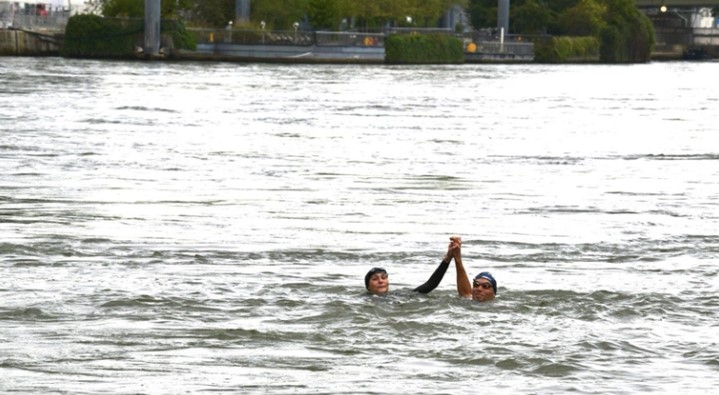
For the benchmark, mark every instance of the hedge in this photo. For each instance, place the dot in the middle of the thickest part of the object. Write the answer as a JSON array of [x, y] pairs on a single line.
[[423, 49], [566, 49], [93, 36]]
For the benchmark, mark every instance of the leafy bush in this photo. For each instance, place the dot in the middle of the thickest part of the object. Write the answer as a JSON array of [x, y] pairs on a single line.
[[89, 35], [423, 49], [625, 34], [93, 36], [628, 37], [566, 49], [181, 38]]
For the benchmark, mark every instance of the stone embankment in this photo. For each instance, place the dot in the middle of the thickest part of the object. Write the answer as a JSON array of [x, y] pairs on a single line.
[[27, 43]]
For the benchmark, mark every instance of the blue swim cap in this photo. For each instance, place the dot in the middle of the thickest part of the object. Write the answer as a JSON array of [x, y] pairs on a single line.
[[488, 276], [371, 273]]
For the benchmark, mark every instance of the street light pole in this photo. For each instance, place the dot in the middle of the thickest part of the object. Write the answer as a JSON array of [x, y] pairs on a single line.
[[229, 32], [262, 25]]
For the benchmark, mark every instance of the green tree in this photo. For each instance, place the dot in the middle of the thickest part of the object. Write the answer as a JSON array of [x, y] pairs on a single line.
[[373, 14], [324, 14], [426, 13], [136, 8], [482, 13], [531, 17], [378, 13], [628, 35], [560, 5], [586, 18], [279, 14], [211, 13], [124, 8]]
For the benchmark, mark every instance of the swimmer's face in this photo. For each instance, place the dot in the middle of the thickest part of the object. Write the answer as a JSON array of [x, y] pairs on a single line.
[[482, 290], [379, 283]]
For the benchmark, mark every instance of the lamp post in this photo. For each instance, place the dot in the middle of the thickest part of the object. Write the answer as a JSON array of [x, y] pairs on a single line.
[[296, 25], [262, 26], [229, 32]]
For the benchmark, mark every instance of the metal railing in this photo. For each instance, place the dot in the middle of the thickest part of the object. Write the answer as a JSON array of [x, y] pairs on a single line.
[[510, 48], [283, 37], [706, 36], [251, 37], [483, 43], [55, 22], [349, 39]]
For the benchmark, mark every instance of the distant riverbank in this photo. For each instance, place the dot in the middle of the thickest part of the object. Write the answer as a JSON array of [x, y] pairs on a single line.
[[31, 43], [27, 43]]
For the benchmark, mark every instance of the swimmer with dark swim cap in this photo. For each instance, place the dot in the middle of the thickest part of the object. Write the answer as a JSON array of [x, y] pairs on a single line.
[[377, 280], [484, 286]]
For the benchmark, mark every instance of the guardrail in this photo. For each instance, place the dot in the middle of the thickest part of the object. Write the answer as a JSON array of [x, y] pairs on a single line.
[[474, 43], [349, 39], [706, 36], [514, 48], [284, 37], [54, 22]]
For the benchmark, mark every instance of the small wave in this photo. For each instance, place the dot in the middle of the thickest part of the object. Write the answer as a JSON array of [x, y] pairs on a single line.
[[95, 240], [595, 306], [147, 301], [26, 262], [100, 121], [25, 314], [555, 369], [546, 160], [143, 108], [636, 250], [560, 210], [228, 334], [673, 157]]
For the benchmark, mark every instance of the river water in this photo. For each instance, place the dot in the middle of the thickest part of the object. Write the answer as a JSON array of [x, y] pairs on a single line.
[[206, 227]]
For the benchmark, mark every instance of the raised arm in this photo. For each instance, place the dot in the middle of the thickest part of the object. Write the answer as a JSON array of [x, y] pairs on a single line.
[[438, 274], [464, 288]]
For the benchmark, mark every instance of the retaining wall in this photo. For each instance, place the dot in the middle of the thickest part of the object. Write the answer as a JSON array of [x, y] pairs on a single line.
[[22, 43]]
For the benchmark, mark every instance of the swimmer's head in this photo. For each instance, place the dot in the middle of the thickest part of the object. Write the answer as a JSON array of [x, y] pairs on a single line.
[[481, 286], [376, 281]]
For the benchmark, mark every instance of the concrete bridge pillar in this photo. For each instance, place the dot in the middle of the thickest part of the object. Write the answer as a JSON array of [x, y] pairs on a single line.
[[242, 11], [152, 28], [503, 17]]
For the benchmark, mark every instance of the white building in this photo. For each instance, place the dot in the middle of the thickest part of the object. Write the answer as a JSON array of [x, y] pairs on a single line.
[[41, 7], [51, 14]]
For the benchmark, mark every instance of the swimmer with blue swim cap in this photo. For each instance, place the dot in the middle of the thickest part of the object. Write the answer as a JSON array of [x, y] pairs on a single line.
[[484, 286]]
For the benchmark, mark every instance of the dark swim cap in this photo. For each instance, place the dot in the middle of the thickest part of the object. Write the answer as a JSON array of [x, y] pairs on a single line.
[[488, 276], [371, 273]]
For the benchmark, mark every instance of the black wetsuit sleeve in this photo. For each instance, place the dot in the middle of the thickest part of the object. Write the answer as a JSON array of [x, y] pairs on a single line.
[[435, 279]]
